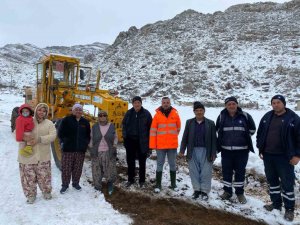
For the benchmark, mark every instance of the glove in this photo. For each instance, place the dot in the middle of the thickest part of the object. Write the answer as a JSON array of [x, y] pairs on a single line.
[[26, 152]]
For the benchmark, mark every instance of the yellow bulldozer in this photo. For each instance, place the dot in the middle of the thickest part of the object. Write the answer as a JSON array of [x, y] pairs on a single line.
[[60, 82]]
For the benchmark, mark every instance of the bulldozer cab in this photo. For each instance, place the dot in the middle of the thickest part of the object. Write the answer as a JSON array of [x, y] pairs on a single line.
[[61, 81]]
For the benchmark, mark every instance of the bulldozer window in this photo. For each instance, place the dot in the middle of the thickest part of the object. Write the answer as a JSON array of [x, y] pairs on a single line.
[[63, 72]]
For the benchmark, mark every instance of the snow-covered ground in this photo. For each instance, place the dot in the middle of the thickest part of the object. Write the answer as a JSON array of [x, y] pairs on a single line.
[[90, 207]]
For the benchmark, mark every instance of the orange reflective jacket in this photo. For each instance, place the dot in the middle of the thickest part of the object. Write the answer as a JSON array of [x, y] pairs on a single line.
[[164, 130]]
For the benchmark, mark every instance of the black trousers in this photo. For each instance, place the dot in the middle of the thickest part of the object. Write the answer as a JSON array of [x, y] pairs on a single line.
[[133, 152]]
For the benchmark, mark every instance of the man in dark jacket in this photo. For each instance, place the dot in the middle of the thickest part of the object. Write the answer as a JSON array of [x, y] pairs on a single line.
[[278, 141], [234, 128], [136, 127], [74, 134], [199, 138]]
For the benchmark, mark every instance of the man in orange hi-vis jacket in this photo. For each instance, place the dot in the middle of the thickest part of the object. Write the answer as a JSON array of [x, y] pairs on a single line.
[[164, 132]]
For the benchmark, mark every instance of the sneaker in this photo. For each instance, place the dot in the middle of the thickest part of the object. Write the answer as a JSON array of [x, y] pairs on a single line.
[[47, 196], [270, 207], [64, 189], [242, 199], [196, 194], [30, 199], [225, 196], [128, 184], [204, 196], [289, 215], [77, 187]]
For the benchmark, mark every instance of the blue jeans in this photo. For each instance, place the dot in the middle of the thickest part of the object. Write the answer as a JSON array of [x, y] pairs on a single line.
[[281, 178], [161, 156]]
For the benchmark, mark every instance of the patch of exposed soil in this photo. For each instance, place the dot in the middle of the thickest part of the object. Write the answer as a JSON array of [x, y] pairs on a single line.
[[144, 207]]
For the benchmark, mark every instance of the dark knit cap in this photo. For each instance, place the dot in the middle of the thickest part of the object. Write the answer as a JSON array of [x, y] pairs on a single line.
[[198, 105], [279, 97], [231, 99], [136, 98]]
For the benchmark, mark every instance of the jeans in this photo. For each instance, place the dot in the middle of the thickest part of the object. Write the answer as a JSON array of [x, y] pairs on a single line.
[[161, 155]]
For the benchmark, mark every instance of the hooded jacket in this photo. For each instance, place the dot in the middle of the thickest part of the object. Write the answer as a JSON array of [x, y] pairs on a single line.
[[24, 124], [45, 133], [164, 130]]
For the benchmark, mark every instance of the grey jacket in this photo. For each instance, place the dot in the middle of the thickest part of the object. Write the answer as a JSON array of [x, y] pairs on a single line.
[[109, 138], [188, 137]]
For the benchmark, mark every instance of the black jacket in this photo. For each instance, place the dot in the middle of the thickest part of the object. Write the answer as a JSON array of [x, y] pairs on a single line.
[[145, 120], [289, 134], [243, 127], [188, 137], [74, 135]]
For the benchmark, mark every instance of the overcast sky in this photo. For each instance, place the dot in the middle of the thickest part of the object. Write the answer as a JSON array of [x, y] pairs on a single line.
[[73, 22]]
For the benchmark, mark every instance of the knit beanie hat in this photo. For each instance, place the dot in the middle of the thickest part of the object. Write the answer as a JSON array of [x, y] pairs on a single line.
[[136, 98], [279, 97], [198, 105], [102, 112], [76, 105], [231, 99]]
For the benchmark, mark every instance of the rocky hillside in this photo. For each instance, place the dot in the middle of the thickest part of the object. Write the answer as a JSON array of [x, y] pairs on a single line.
[[249, 50]]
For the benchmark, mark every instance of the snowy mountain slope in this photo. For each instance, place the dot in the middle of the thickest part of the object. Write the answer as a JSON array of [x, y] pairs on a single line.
[[249, 50], [17, 61]]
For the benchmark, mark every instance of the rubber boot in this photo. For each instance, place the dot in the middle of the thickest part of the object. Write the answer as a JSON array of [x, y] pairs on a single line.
[[173, 180], [158, 181], [110, 188]]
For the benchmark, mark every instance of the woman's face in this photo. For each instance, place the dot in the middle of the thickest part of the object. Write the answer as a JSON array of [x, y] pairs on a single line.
[[41, 113], [102, 117]]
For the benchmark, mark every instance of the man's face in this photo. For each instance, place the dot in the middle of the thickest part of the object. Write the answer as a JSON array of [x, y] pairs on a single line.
[[199, 113], [166, 103], [137, 105], [231, 107], [77, 112], [278, 106]]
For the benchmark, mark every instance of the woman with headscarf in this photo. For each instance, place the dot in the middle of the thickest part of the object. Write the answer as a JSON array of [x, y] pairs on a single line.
[[36, 168], [103, 152]]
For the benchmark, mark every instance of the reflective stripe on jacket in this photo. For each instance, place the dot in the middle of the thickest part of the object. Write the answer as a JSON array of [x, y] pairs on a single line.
[[164, 130]]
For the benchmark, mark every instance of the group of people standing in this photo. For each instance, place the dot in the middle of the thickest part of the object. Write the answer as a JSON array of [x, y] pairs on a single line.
[[278, 142]]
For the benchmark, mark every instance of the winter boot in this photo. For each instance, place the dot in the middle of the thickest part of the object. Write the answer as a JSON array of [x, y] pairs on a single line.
[[26, 151], [173, 181], [110, 188], [157, 187], [289, 215]]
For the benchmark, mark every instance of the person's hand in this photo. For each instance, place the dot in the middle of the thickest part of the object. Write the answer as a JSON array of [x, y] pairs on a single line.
[[294, 161], [261, 156], [28, 137], [32, 142]]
